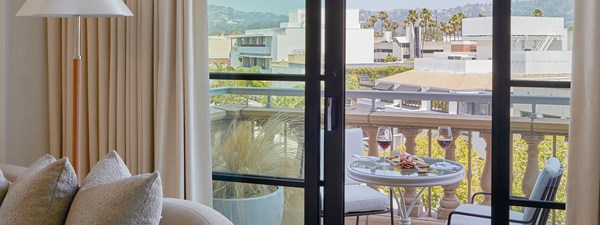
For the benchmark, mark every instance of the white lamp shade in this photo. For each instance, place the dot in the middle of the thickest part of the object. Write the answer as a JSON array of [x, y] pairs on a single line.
[[66, 8]]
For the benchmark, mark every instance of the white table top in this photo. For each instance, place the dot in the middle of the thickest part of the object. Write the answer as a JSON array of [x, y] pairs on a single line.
[[375, 173]]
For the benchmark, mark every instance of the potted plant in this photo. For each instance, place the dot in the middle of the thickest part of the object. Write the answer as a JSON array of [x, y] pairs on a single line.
[[249, 147]]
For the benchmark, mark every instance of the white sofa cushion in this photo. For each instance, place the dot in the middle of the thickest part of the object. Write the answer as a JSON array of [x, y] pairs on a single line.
[[360, 198], [110, 195], [480, 210], [42, 194]]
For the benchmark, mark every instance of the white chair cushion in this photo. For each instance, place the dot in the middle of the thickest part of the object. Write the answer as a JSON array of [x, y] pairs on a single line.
[[354, 145], [360, 198], [481, 210]]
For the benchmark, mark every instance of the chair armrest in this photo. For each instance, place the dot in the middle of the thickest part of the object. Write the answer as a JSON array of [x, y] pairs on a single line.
[[489, 193], [478, 193], [179, 211], [480, 216]]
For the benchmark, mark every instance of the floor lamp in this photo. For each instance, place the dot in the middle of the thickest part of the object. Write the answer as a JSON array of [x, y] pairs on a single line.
[[75, 9]]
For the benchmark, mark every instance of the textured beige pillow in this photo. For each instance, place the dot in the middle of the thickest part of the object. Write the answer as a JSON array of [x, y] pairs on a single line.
[[42, 195], [4, 184], [110, 195]]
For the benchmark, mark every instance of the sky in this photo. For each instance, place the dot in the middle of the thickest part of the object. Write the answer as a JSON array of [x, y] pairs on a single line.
[[281, 7]]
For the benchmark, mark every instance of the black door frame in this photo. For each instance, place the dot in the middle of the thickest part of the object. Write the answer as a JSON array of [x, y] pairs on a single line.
[[501, 141], [334, 88]]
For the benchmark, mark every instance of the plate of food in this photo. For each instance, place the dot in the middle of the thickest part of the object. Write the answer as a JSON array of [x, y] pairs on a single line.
[[408, 161]]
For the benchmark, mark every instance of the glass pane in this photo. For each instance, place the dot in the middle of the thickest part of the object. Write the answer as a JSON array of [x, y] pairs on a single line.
[[261, 36], [248, 204], [542, 33], [427, 71], [257, 128], [539, 131]]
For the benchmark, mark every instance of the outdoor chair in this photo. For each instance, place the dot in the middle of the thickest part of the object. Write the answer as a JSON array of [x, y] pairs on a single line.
[[359, 199], [545, 189]]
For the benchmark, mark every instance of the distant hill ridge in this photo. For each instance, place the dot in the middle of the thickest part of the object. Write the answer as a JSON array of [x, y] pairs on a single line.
[[551, 8], [226, 20]]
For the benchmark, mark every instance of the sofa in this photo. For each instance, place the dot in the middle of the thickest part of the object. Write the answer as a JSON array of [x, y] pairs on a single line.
[[174, 211]]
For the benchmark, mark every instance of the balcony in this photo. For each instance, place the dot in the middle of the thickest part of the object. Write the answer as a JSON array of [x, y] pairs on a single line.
[[534, 139]]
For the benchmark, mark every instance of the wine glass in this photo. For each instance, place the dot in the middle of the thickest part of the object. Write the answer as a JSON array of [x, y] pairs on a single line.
[[398, 141], [444, 138], [384, 139]]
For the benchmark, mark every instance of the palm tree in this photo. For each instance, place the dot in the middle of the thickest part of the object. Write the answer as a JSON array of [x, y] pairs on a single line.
[[425, 16], [538, 13], [387, 25], [371, 22], [444, 29], [395, 26], [383, 17], [456, 22], [412, 18]]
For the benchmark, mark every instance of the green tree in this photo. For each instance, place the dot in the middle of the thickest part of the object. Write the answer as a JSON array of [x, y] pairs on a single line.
[[412, 18], [390, 58], [538, 13], [237, 99], [482, 15], [353, 75], [371, 22], [384, 18], [395, 26]]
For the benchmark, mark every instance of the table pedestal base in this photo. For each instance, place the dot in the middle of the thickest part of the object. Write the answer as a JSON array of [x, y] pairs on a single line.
[[404, 212]]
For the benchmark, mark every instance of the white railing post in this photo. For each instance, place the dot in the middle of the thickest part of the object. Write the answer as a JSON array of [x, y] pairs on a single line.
[[411, 147], [486, 176], [449, 202], [532, 170]]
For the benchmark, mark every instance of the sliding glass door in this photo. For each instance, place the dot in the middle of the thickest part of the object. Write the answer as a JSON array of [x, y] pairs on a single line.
[[270, 81]]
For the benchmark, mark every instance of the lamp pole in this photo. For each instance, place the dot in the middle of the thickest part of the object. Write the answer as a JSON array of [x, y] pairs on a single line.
[[76, 83]]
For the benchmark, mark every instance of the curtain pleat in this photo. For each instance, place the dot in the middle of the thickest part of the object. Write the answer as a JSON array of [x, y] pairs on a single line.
[[139, 75]]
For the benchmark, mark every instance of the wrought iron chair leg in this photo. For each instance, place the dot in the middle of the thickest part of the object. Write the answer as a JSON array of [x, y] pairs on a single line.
[[391, 206]]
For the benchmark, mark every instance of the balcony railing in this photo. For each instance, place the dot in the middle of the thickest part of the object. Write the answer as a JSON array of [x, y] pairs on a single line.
[[532, 137]]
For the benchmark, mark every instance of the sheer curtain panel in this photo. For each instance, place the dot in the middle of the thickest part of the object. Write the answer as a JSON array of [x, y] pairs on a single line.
[[144, 92], [583, 190]]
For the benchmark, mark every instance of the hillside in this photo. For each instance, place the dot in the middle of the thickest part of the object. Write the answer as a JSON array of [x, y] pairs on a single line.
[[551, 8], [226, 20]]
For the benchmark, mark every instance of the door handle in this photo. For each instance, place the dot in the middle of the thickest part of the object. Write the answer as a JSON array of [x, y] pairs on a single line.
[[330, 114]]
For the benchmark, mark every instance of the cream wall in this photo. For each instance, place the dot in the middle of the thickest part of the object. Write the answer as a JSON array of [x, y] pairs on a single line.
[[23, 86]]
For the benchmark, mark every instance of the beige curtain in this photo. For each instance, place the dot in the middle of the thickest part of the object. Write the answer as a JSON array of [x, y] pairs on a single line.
[[583, 184], [144, 94]]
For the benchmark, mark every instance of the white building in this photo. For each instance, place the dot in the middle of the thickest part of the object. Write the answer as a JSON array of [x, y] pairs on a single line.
[[398, 47], [539, 51], [260, 47], [539, 46]]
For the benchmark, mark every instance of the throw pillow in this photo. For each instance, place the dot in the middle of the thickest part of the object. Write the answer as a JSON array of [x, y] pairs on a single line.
[[110, 195], [4, 184], [42, 195]]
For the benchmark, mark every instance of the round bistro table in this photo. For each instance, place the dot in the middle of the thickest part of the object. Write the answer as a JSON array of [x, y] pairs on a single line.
[[385, 174]]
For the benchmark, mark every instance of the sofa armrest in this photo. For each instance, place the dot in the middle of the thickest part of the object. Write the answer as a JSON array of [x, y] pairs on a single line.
[[178, 211], [11, 172]]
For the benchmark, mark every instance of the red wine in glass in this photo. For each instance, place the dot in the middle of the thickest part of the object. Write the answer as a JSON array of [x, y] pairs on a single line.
[[444, 138], [384, 139], [444, 142], [383, 143]]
